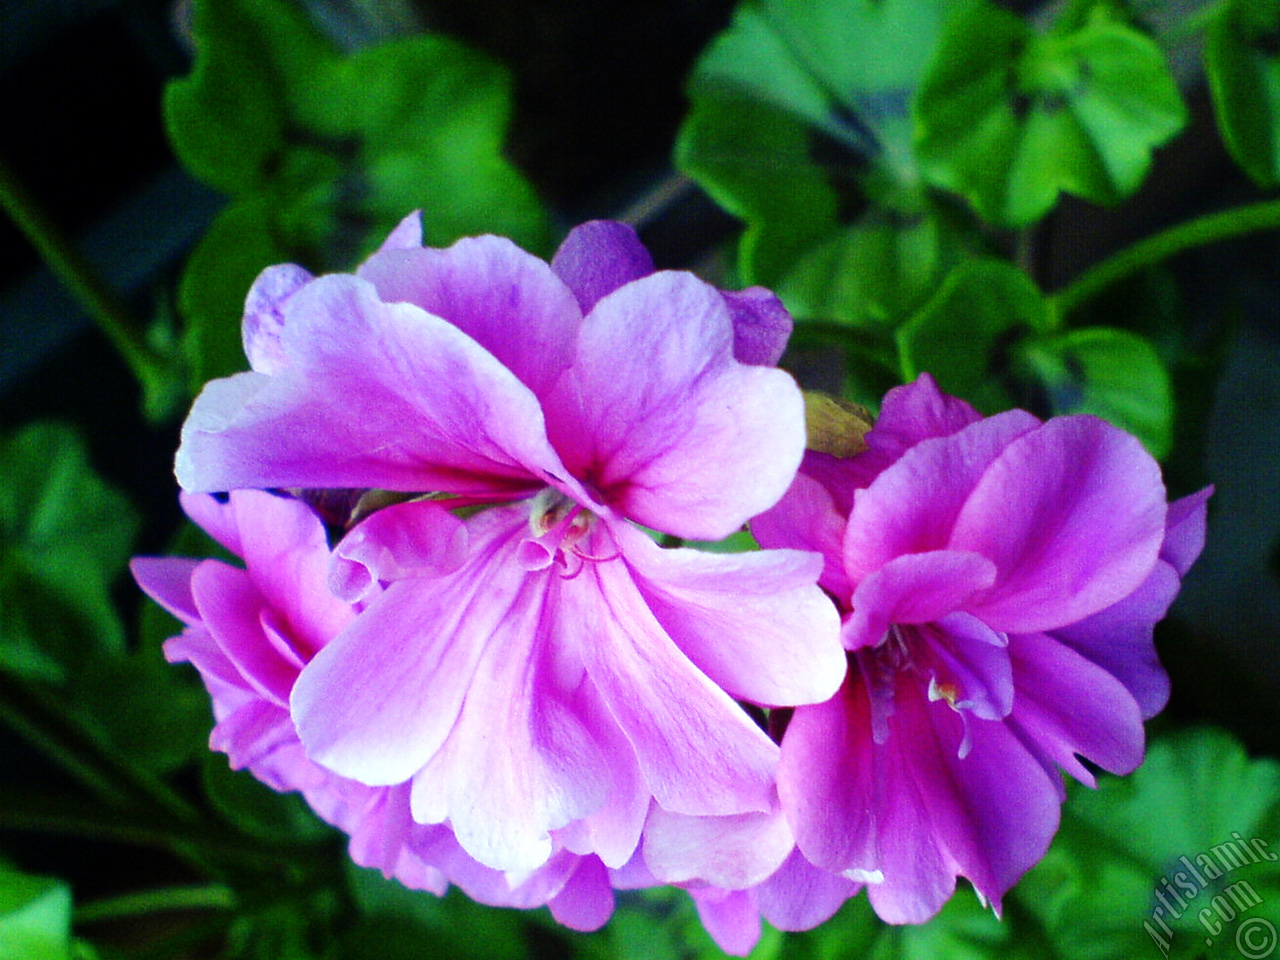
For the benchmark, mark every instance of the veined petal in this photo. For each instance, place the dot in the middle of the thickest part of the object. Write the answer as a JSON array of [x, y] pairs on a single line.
[[404, 540], [508, 301], [730, 916], [231, 609], [1072, 514], [734, 852], [657, 416], [263, 326], [375, 395], [598, 257], [755, 623], [799, 896], [698, 750]]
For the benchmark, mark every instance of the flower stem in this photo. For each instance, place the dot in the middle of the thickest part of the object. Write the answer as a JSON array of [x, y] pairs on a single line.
[[1210, 228], [158, 375], [213, 896]]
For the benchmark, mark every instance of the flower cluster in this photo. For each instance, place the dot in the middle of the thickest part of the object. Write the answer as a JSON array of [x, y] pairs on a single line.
[[494, 676]]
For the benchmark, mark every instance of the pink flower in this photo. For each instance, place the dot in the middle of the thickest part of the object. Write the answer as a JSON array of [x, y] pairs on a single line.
[[569, 673], [999, 579]]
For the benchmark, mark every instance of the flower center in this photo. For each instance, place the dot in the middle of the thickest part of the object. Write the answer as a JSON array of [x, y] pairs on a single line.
[[557, 525]]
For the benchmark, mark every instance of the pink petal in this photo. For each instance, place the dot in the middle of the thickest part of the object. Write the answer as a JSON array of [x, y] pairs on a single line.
[[807, 518], [1184, 537], [508, 301], [598, 257], [586, 901], [730, 916], [167, 581], [761, 325], [231, 608], [658, 417], [735, 852], [407, 234], [375, 395], [263, 327], [755, 623], [800, 896], [1073, 516], [215, 516], [415, 539]]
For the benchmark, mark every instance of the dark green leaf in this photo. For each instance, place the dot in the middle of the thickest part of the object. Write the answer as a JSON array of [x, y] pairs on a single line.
[[967, 335], [1242, 62], [1009, 118], [1172, 837], [255, 808], [1113, 374]]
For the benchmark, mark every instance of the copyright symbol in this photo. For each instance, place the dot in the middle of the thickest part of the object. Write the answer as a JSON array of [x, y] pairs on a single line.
[[1255, 938]]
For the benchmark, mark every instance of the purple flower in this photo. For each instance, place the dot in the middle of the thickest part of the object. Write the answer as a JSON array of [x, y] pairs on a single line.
[[569, 673], [250, 632], [999, 579]]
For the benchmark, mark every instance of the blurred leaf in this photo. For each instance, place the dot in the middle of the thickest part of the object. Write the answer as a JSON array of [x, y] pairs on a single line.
[[1113, 374], [1008, 117], [800, 125], [967, 334], [1175, 829], [1242, 62], [35, 918], [256, 808], [64, 538]]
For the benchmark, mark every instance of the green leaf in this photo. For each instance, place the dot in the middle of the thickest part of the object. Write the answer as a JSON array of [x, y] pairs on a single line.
[[1009, 118], [255, 808], [1242, 63], [64, 539], [800, 125], [1113, 374], [1184, 827], [967, 335], [35, 918]]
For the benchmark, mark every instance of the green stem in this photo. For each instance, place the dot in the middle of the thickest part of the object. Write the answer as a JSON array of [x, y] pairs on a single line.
[[1210, 228], [213, 896], [154, 371]]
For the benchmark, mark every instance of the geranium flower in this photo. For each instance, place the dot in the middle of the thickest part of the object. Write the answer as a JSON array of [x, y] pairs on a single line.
[[999, 579], [250, 632], [569, 672]]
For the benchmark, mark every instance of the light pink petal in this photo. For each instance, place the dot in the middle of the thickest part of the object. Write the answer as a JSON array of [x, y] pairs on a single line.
[[800, 896], [417, 539], [249, 735], [167, 581], [912, 506], [659, 419], [379, 701], [699, 752], [761, 325], [263, 327], [806, 518], [1104, 726], [508, 301], [914, 588], [598, 257], [734, 852], [1073, 516], [755, 623], [231, 609], [215, 516], [407, 234], [585, 902], [375, 395], [730, 916]]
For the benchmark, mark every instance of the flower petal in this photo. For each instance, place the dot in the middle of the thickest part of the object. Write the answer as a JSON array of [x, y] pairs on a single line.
[[585, 903], [263, 326], [598, 257], [755, 623], [231, 609], [1184, 537], [807, 518], [375, 395], [404, 540], [730, 916], [800, 896], [735, 852], [1073, 516], [761, 325], [508, 301], [657, 416], [167, 581]]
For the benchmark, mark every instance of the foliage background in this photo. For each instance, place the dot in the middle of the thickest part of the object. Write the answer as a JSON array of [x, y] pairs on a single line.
[[816, 147]]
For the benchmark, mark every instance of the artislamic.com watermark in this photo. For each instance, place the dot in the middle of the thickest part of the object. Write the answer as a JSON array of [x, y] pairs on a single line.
[[1204, 890]]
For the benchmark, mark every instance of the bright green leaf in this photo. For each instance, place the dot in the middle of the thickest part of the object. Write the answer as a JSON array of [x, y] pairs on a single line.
[[1176, 835], [35, 917], [1242, 62], [1113, 374], [1009, 118], [966, 335]]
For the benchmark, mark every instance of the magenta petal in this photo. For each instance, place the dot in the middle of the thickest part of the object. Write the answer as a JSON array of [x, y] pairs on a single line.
[[167, 581], [403, 540], [730, 916], [1072, 514], [1104, 726], [263, 327], [231, 609], [1184, 537], [508, 301], [734, 852], [658, 417], [800, 896], [585, 903], [755, 623], [216, 516], [375, 395], [912, 506], [761, 326], [914, 588], [598, 257], [807, 518], [914, 412], [698, 750]]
